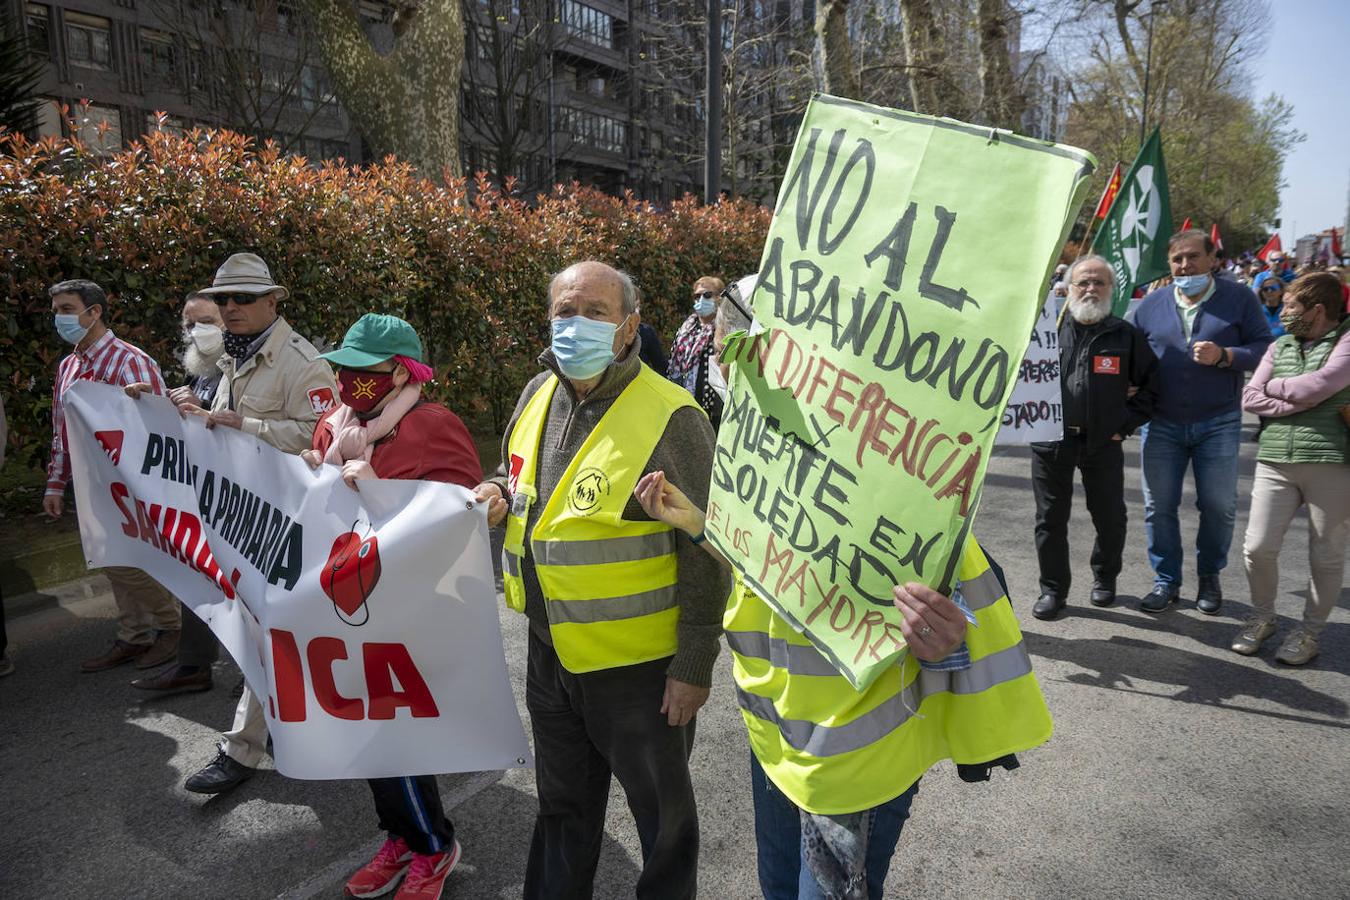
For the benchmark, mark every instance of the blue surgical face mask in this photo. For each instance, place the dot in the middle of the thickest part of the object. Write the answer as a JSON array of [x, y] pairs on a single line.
[[584, 347], [704, 307], [69, 327], [1190, 285]]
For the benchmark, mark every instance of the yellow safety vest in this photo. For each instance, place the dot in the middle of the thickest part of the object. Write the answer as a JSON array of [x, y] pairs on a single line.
[[833, 750], [608, 583]]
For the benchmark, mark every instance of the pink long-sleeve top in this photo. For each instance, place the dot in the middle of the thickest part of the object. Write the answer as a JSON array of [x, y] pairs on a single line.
[[1266, 396]]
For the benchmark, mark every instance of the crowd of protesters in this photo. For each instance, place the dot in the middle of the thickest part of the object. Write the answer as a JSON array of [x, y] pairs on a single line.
[[616, 692]]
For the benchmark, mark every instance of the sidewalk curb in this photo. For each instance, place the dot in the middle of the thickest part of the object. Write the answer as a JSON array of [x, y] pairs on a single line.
[[66, 593]]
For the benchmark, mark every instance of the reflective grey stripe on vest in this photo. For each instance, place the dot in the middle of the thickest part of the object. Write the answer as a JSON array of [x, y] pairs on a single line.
[[799, 659], [606, 550], [609, 609], [511, 563], [826, 740], [804, 659], [982, 591]]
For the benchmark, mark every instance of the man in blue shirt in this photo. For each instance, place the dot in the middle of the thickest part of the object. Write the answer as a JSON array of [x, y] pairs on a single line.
[[1206, 333]]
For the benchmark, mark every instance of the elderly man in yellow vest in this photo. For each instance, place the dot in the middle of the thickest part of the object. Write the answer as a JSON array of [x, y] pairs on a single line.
[[624, 614]]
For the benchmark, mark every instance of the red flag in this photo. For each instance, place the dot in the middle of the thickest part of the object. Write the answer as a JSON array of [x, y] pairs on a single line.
[[1272, 244], [1109, 195], [1214, 236], [1186, 226], [1336, 243]]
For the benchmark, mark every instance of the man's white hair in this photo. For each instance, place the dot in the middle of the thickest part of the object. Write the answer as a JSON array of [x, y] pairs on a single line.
[[1092, 257], [629, 290]]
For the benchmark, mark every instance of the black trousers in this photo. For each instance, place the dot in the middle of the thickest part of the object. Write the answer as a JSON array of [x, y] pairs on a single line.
[[4, 638], [410, 808], [197, 645], [1103, 469], [587, 727]]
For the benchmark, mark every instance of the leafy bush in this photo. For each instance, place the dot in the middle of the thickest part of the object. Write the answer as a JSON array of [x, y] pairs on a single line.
[[468, 268]]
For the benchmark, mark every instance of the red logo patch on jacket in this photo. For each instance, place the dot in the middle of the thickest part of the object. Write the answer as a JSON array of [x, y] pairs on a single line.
[[111, 442], [322, 400], [1106, 365]]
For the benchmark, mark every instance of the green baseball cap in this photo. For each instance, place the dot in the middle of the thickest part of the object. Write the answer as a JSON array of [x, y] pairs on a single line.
[[373, 339]]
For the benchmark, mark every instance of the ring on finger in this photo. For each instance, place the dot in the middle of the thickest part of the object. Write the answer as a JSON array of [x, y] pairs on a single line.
[[925, 631]]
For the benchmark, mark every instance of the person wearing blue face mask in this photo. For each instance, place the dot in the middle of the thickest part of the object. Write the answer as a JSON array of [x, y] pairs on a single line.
[[1206, 333], [691, 353], [624, 613]]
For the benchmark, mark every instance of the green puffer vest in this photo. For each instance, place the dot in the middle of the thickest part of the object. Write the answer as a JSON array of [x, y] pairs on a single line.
[[1318, 435]]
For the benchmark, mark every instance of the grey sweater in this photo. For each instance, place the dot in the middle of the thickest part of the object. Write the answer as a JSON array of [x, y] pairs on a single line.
[[684, 453]]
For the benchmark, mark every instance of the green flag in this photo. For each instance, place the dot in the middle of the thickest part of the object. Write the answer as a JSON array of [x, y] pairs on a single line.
[[903, 271], [1134, 236]]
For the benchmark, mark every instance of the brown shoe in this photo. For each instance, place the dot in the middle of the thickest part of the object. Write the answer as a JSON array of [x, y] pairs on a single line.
[[164, 649], [121, 652], [175, 681]]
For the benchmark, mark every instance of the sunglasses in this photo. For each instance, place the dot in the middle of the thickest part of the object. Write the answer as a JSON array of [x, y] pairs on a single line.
[[239, 299], [1269, 289], [704, 295]]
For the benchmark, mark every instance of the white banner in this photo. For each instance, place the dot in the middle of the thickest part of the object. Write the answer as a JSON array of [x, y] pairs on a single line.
[[365, 622], [1035, 411]]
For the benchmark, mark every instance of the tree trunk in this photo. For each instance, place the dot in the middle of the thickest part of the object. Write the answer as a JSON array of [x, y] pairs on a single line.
[[924, 51], [407, 102], [835, 50], [1003, 103]]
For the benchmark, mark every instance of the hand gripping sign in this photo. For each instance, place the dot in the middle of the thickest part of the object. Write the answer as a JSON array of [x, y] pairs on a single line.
[[901, 277], [366, 622]]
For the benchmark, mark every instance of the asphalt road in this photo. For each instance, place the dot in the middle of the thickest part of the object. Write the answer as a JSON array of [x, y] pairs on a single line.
[[1177, 768]]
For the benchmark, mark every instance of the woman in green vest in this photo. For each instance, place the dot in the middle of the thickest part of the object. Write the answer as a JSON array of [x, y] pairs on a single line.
[[1302, 387]]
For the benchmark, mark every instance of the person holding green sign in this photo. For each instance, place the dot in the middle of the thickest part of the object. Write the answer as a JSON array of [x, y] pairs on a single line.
[[831, 799]]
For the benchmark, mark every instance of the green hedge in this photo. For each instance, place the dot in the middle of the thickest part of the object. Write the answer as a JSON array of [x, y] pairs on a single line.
[[468, 268]]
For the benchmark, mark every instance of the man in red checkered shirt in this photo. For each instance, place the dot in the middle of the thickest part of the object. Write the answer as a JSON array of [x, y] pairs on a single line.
[[148, 618]]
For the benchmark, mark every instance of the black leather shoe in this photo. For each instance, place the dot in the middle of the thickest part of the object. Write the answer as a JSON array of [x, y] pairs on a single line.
[[178, 680], [220, 776], [1209, 599], [1048, 606], [1158, 599], [1102, 594]]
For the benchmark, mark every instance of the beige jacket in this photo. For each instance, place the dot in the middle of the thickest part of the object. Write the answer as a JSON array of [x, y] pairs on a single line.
[[281, 391]]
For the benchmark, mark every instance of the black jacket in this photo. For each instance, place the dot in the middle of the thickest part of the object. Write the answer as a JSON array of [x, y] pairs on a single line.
[[1118, 357]]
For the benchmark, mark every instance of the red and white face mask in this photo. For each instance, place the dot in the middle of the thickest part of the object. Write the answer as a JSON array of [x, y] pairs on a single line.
[[363, 391]]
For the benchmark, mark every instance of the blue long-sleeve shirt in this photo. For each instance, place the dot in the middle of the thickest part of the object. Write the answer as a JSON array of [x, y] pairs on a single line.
[[1231, 318]]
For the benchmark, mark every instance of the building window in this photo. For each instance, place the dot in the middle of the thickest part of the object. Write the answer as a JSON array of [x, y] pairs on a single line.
[[171, 124], [587, 23], [159, 56], [89, 41], [90, 129], [37, 27], [594, 130]]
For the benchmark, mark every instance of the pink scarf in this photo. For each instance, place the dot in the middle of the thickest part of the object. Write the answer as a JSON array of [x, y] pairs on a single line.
[[354, 439]]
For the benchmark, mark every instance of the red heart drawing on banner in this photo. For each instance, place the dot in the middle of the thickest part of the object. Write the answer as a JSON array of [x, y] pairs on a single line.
[[351, 573]]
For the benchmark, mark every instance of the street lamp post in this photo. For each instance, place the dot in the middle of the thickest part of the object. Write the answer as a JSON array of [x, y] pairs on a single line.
[[712, 138], [1148, 64]]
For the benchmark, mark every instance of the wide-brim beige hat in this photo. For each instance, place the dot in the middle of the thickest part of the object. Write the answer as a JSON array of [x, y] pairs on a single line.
[[244, 273]]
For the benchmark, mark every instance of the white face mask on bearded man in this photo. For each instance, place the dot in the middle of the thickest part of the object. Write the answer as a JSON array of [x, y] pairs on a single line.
[[203, 345]]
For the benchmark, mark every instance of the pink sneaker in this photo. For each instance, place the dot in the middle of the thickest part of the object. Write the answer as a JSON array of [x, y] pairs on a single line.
[[427, 876], [381, 875]]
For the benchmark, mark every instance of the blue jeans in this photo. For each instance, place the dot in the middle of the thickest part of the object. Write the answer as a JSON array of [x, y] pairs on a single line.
[[1210, 447], [783, 874]]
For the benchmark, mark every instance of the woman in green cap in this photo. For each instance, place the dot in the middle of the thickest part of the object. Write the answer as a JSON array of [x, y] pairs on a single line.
[[385, 429]]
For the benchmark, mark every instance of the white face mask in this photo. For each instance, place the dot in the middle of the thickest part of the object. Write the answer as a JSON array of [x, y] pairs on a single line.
[[207, 338], [716, 381]]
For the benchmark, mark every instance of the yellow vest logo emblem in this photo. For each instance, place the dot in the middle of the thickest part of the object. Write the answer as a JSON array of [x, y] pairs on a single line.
[[589, 490]]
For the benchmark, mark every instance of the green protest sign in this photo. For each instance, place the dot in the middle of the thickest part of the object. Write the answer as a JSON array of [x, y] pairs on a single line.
[[905, 265], [1133, 238]]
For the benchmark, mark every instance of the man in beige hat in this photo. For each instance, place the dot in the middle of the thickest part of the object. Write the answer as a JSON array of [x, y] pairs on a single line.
[[273, 386]]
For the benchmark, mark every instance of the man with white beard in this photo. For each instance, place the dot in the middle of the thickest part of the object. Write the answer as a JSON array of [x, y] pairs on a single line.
[[203, 345], [1108, 385]]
